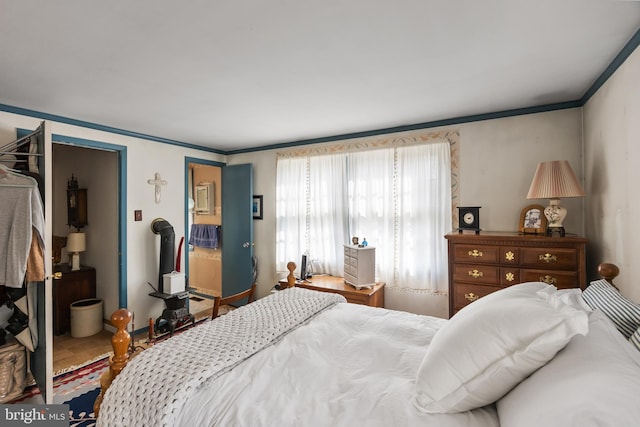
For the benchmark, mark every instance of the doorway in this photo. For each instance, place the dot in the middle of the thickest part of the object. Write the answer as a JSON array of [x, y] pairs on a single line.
[[98, 168], [203, 222]]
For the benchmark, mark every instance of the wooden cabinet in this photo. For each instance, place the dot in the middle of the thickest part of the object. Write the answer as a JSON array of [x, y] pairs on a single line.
[[359, 265], [483, 263], [71, 286]]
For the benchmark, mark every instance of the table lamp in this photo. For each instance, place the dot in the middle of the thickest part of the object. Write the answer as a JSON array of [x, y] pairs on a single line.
[[76, 243], [554, 180]]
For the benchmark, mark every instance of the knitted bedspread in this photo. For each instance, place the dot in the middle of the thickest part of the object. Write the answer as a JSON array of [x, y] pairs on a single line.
[[152, 388]]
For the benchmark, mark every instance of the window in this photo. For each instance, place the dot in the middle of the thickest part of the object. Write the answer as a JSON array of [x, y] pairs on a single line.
[[397, 197]]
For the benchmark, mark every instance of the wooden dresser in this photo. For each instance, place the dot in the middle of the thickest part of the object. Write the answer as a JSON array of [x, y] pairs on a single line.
[[483, 263], [70, 286]]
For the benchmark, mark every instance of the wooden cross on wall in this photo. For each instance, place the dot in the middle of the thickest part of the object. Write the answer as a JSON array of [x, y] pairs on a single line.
[[158, 182]]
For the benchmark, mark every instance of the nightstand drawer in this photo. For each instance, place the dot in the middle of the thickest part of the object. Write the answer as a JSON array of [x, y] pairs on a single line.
[[465, 294], [476, 273], [559, 279], [476, 254], [549, 258]]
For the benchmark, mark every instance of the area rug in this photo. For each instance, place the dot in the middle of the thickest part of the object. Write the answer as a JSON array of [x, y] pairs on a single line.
[[79, 387]]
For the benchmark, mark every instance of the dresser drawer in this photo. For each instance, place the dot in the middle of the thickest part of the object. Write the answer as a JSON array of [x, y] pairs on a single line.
[[549, 258], [465, 294], [559, 279], [509, 276], [350, 278], [476, 254], [476, 273], [509, 255]]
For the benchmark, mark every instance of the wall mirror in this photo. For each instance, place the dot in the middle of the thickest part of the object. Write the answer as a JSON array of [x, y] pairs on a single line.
[[204, 198]]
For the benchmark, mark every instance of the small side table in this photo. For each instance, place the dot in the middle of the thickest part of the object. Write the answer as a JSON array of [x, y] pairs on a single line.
[[373, 297]]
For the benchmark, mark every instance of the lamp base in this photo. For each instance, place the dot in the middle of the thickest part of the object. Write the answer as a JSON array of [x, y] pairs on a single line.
[[555, 213], [75, 261], [552, 230]]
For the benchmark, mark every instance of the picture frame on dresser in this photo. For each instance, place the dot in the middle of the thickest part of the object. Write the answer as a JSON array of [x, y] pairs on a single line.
[[532, 220]]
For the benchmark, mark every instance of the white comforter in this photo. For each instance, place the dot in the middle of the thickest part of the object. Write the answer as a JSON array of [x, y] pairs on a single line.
[[352, 365]]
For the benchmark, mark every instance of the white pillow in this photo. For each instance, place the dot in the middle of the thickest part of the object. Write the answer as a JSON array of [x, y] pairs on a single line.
[[594, 381], [492, 344]]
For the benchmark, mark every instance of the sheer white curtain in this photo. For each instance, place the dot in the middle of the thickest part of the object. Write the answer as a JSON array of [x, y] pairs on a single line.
[[328, 213], [372, 206], [291, 210], [399, 198], [312, 214], [424, 216]]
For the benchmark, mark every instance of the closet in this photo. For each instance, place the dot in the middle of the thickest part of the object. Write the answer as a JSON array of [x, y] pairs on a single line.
[[24, 251]]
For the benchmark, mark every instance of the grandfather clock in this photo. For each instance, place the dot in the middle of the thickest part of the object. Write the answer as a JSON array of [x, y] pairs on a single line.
[[76, 204]]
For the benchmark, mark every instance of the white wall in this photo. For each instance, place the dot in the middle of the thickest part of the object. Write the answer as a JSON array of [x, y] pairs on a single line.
[[144, 158], [612, 168], [497, 162]]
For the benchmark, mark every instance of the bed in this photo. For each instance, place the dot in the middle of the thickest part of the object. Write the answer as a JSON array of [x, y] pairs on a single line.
[[528, 355]]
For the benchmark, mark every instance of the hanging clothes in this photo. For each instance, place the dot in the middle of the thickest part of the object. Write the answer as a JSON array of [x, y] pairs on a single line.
[[21, 213], [21, 249]]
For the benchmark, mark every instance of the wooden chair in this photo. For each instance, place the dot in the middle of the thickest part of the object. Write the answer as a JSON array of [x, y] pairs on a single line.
[[219, 301]]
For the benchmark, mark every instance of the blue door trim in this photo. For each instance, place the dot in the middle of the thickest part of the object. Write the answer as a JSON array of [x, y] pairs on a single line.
[[122, 199]]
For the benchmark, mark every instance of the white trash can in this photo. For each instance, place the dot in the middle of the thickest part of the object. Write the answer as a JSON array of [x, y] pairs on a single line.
[[86, 317]]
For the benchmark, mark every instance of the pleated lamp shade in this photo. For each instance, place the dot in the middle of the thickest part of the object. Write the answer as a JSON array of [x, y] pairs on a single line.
[[554, 180]]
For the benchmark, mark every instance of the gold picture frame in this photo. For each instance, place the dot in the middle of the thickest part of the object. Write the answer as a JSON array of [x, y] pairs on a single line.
[[532, 220]]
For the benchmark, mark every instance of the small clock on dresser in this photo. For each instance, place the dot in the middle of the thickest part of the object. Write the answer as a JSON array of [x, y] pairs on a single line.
[[469, 218]]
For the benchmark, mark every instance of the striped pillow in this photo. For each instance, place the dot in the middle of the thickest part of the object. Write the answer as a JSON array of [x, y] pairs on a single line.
[[635, 339], [624, 313]]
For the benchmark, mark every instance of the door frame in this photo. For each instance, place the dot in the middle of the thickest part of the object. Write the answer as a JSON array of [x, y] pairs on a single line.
[[121, 151], [187, 161]]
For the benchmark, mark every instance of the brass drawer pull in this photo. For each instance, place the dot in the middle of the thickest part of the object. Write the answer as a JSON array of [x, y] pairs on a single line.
[[471, 296], [509, 256], [475, 273], [475, 253], [548, 258], [548, 280], [510, 277]]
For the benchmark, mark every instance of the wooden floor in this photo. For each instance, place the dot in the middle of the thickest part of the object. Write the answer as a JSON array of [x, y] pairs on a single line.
[[69, 352]]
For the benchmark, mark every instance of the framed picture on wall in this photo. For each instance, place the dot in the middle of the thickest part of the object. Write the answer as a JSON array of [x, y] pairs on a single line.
[[257, 207], [203, 198], [532, 220]]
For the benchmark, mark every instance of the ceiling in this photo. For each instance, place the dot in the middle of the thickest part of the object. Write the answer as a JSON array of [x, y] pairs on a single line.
[[234, 75]]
